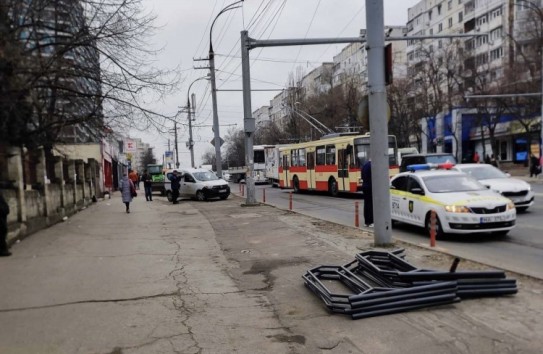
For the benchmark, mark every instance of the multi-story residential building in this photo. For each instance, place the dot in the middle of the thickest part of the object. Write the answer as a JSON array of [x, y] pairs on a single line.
[[318, 80], [478, 64], [262, 115]]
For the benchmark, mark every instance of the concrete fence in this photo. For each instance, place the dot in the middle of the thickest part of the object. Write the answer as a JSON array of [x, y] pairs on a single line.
[[37, 200]]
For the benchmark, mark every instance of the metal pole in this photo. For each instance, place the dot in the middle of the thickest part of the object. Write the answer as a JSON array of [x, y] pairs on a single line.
[[217, 137], [176, 146], [375, 47], [248, 120], [541, 127], [190, 135]]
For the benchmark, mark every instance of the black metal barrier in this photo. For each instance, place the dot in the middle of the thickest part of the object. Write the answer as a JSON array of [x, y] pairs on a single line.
[[379, 283]]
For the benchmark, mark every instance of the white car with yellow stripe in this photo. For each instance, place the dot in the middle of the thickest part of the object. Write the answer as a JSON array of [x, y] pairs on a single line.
[[462, 204]]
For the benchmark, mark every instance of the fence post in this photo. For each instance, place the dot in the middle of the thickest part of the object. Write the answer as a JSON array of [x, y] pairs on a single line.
[[263, 195], [433, 228], [242, 189], [356, 221]]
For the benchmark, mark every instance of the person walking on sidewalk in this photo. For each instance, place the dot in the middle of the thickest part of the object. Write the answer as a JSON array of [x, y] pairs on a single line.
[[535, 169], [175, 179], [133, 176], [127, 189], [4, 211], [368, 194], [147, 185]]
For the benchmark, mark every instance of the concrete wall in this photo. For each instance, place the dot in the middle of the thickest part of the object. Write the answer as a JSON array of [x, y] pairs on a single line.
[[36, 207]]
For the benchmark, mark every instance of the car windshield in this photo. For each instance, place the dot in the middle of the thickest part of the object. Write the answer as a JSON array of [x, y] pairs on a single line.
[[453, 183], [483, 172], [440, 159], [205, 176]]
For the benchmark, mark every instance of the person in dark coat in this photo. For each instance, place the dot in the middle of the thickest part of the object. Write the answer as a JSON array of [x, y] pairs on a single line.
[[4, 211], [368, 194], [175, 180], [534, 166], [127, 188], [147, 185]]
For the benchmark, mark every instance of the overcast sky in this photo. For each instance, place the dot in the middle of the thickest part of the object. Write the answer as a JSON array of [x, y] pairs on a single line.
[[184, 35]]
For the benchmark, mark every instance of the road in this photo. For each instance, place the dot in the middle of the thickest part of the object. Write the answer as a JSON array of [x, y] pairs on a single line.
[[520, 251]]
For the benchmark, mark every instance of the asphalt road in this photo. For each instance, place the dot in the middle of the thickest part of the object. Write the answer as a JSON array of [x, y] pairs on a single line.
[[520, 251]]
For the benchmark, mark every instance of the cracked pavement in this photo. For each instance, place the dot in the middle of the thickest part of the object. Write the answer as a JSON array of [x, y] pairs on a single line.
[[213, 277]]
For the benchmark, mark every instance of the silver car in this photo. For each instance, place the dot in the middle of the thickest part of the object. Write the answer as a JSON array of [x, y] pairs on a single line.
[[519, 191]]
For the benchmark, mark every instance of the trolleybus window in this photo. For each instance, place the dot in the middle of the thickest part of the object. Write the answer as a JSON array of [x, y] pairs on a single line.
[[330, 155], [321, 155]]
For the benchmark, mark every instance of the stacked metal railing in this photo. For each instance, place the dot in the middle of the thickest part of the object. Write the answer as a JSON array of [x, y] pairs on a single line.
[[378, 283]]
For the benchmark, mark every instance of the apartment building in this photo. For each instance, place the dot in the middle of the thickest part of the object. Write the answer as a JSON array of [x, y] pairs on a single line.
[[478, 64]]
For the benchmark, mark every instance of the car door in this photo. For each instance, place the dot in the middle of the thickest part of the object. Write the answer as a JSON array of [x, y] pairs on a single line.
[[398, 191], [414, 202], [188, 186]]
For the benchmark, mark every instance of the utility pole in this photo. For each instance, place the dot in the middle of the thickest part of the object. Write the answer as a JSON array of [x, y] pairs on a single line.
[[191, 143], [375, 47], [176, 146], [248, 120], [217, 136]]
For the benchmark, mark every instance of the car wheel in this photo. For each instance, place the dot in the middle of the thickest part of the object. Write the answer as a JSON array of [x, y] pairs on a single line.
[[223, 197], [200, 196], [332, 188], [501, 233], [169, 195], [439, 229], [522, 209], [296, 184]]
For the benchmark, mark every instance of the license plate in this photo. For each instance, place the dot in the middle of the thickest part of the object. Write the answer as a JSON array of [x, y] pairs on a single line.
[[222, 190], [486, 219]]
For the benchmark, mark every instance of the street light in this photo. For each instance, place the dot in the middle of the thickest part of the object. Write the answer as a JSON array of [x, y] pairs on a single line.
[[191, 143], [217, 137]]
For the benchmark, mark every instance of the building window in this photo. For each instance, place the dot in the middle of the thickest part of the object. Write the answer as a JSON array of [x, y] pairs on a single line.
[[430, 15], [496, 33], [439, 9], [450, 22], [481, 20], [460, 16], [440, 27], [496, 53], [449, 5], [440, 44], [431, 31]]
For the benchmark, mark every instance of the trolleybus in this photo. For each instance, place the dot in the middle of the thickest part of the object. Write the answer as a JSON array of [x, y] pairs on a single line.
[[331, 164]]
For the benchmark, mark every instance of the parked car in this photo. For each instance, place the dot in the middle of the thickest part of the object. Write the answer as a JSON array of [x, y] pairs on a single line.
[[198, 183], [519, 191], [462, 204], [416, 159]]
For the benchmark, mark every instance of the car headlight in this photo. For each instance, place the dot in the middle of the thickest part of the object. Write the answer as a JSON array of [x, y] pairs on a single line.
[[510, 205], [457, 209]]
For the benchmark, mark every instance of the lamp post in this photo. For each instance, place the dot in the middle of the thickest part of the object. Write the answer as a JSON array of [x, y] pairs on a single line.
[[217, 137], [191, 143]]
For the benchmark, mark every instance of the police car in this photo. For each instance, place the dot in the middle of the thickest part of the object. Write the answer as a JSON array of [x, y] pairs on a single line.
[[462, 204]]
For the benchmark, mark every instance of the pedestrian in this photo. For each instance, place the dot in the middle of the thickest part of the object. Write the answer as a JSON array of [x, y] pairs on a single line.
[[534, 166], [147, 185], [175, 180], [133, 176], [493, 161], [487, 159], [476, 158], [128, 191], [368, 194], [4, 211]]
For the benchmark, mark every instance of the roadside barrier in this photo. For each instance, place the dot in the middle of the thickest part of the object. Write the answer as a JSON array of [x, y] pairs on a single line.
[[290, 201], [356, 221], [397, 286], [433, 220]]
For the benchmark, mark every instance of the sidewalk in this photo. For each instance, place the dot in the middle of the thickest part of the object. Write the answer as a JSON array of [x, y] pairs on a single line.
[[215, 277]]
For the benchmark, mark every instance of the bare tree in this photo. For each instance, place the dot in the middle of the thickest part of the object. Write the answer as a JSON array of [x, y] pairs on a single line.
[[85, 66]]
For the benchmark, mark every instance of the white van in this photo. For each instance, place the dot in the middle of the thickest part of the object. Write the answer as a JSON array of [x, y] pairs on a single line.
[[406, 151], [197, 183]]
